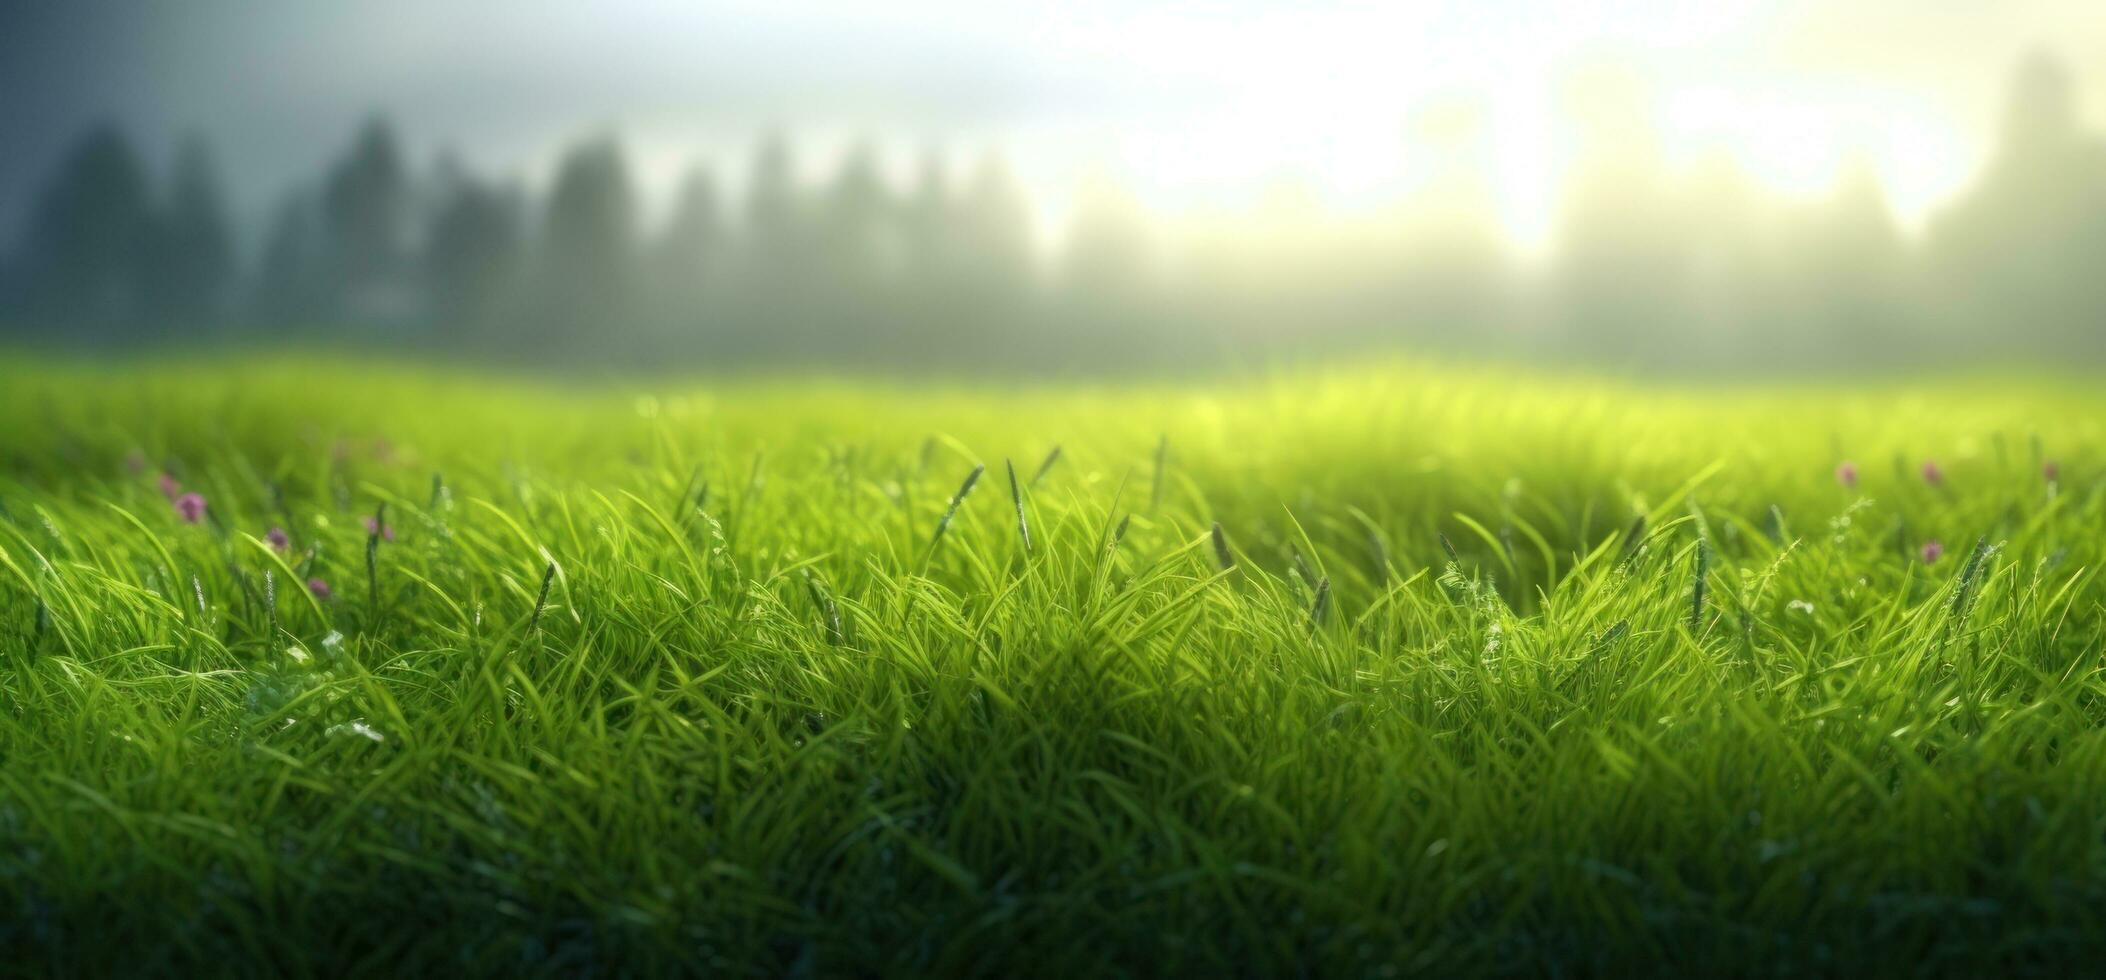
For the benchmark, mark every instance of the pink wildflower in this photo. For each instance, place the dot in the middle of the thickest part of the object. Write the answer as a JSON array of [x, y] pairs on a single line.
[[191, 506], [1933, 474], [1846, 474], [169, 487], [386, 531], [277, 539], [319, 588], [1932, 551], [2051, 471]]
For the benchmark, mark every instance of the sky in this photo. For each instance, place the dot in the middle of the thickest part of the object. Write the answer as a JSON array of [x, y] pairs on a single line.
[[1195, 106]]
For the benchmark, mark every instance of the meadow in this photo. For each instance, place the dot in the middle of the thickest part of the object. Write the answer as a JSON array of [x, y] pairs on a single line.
[[314, 667]]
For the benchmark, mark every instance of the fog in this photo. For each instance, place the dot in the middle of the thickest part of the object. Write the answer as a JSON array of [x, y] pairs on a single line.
[[1748, 188]]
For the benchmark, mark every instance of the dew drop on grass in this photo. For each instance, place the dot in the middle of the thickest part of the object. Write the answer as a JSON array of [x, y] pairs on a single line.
[[332, 652], [356, 727], [274, 690]]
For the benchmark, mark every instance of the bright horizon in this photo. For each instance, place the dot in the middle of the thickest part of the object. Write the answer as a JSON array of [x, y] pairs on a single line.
[[1201, 112]]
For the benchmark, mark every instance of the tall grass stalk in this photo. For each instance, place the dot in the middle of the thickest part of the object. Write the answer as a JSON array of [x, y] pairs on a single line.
[[1016, 496], [956, 499]]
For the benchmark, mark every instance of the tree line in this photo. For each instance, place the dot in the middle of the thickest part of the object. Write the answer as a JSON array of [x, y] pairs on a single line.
[[1649, 266]]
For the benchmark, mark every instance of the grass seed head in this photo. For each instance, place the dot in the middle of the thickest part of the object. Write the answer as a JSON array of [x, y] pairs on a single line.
[[1051, 458], [957, 499], [1702, 563], [548, 576], [1016, 496]]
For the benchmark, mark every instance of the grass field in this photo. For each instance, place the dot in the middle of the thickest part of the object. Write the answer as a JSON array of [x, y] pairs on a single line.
[[1483, 671]]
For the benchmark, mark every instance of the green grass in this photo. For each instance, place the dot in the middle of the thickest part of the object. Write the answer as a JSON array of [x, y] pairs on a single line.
[[771, 712]]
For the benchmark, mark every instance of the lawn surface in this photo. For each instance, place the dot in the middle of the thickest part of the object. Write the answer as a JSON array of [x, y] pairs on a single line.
[[1482, 672]]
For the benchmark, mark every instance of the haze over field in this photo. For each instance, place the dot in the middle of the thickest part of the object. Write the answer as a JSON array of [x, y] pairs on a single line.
[[1740, 185]]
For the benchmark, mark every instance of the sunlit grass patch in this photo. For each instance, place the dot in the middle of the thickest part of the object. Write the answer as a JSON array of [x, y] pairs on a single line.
[[1392, 667]]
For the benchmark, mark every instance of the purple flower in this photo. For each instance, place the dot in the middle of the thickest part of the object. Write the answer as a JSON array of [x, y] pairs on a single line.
[[135, 461], [191, 506], [319, 588], [1846, 474], [169, 487], [1932, 551], [386, 531], [277, 539], [1933, 474], [2051, 471]]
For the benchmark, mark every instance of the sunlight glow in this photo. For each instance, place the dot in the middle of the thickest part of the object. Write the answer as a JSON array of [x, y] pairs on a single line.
[[1214, 110]]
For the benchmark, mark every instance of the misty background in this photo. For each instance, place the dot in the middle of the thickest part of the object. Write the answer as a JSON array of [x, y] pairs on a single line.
[[1753, 186]]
